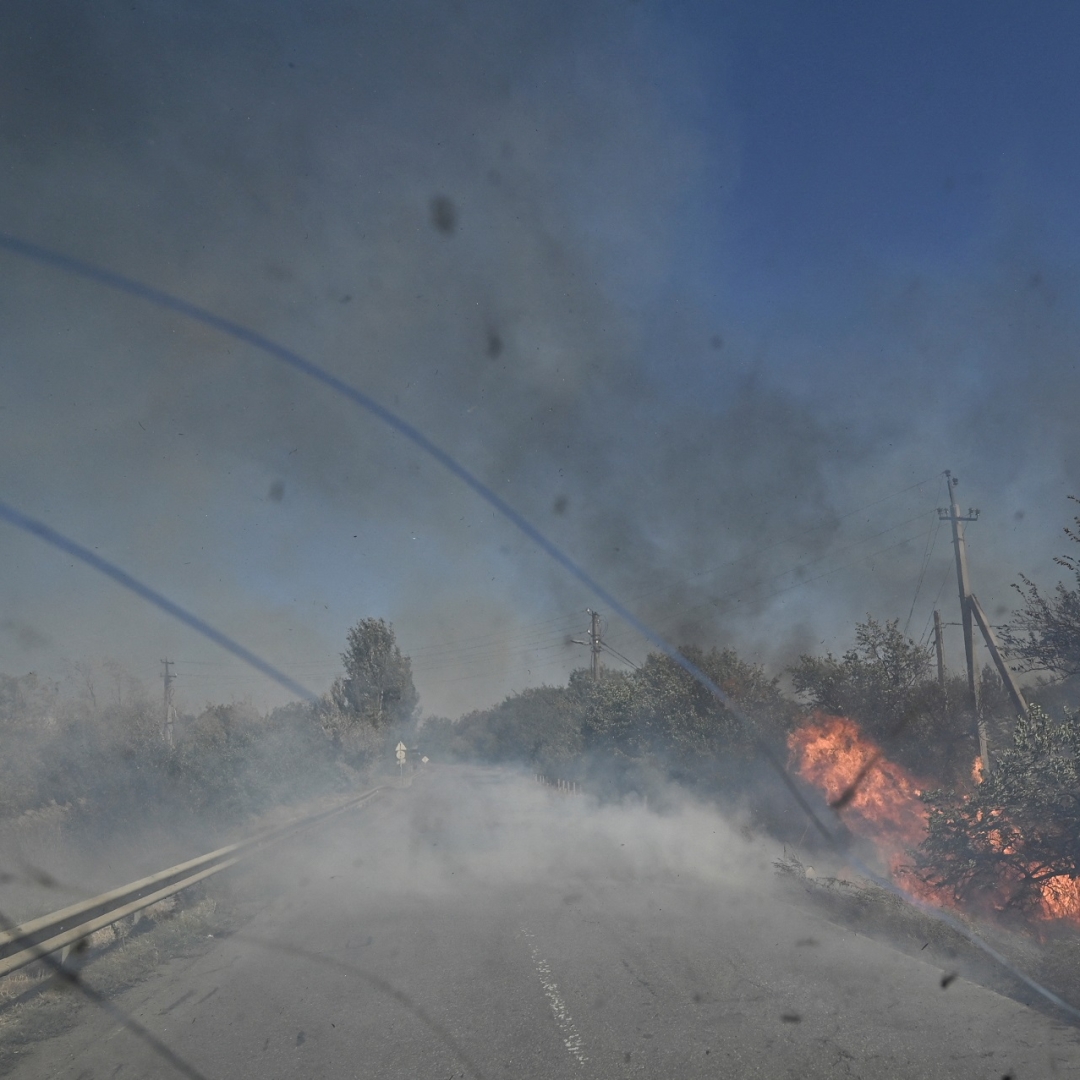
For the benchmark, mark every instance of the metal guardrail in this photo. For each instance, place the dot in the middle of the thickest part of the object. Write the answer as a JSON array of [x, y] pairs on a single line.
[[21, 945]]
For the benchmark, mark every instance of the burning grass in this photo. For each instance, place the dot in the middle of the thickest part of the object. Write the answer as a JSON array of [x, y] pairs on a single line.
[[975, 852], [881, 802]]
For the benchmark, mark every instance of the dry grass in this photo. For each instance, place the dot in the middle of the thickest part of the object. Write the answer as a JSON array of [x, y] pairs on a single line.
[[1048, 954], [35, 1004]]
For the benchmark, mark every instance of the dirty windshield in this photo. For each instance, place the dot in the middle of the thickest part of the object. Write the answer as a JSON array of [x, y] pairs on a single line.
[[539, 539]]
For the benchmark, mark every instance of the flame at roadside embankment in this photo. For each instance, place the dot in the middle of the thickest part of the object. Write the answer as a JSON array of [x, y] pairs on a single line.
[[880, 801]]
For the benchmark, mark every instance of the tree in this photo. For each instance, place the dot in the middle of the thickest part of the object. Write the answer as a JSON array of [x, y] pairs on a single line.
[[1006, 841], [375, 699], [608, 712], [684, 718], [881, 682], [378, 685], [211, 761], [538, 726], [1045, 634], [886, 683]]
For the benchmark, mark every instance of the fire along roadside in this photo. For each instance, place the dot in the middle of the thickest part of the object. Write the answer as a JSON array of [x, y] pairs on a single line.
[[830, 750]]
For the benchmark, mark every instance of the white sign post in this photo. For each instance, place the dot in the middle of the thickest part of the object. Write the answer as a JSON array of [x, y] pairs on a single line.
[[401, 759]]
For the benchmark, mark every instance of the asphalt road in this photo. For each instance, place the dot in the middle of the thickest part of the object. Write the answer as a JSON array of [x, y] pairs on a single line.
[[478, 925]]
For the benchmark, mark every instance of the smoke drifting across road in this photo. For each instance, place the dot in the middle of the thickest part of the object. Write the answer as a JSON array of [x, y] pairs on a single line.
[[477, 923], [519, 229]]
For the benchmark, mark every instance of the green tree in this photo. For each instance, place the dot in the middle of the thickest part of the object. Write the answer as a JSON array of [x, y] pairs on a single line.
[[679, 715], [887, 684], [881, 682], [1005, 840], [357, 740], [538, 726], [378, 685], [1045, 634], [210, 763], [608, 712], [28, 710], [375, 701]]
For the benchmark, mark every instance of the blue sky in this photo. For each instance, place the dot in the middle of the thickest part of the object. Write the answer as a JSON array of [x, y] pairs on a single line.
[[728, 286]]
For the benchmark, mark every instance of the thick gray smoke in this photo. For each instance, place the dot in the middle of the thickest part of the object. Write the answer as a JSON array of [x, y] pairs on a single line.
[[502, 223]]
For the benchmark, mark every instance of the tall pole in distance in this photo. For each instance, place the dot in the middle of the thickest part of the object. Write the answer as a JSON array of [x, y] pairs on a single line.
[[963, 582], [170, 708], [595, 643], [939, 648]]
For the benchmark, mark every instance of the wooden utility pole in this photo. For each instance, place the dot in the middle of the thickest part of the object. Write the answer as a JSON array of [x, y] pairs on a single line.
[[1007, 677], [595, 643], [169, 721], [939, 648], [971, 612], [963, 581]]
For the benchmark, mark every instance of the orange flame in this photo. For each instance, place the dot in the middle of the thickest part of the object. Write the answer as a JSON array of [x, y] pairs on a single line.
[[833, 754], [880, 801], [1061, 898]]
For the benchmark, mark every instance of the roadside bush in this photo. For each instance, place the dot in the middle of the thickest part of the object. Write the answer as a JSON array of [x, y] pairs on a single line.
[[1005, 842]]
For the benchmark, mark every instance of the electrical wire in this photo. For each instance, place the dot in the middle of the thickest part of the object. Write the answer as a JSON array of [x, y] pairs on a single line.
[[716, 600], [159, 600], [922, 573], [615, 652], [396, 423], [933, 607]]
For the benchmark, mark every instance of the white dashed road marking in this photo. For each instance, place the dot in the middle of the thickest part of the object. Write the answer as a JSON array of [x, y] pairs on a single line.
[[563, 1020]]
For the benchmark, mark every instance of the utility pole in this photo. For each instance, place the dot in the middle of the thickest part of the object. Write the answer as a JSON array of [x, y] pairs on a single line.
[[1007, 677], [170, 709], [963, 581], [597, 644], [971, 612], [939, 648]]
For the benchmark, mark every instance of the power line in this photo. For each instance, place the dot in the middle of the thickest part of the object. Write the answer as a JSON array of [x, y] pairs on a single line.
[[152, 596], [564, 620], [449, 651], [624, 659], [922, 573], [925, 637], [786, 540], [492, 644], [414, 435], [715, 601], [492, 637]]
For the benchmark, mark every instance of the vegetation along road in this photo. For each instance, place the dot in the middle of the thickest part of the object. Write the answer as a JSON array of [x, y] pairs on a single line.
[[479, 924]]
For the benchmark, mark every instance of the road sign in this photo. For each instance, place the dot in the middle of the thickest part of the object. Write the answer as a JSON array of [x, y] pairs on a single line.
[[401, 751]]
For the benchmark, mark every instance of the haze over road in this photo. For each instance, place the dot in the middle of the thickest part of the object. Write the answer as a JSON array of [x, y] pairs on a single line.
[[479, 925]]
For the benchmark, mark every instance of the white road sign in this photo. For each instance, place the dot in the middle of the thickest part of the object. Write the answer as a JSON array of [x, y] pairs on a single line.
[[401, 751]]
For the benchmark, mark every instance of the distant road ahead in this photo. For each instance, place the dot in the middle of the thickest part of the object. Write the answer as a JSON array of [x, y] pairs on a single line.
[[479, 925]]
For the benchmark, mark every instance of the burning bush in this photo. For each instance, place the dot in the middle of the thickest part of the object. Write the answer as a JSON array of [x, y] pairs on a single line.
[[885, 683], [1009, 843], [879, 800], [1014, 842]]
